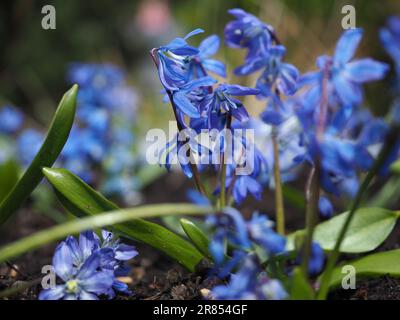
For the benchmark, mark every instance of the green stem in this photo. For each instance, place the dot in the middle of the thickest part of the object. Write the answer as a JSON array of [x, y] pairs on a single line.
[[390, 142], [280, 213], [312, 196], [105, 219]]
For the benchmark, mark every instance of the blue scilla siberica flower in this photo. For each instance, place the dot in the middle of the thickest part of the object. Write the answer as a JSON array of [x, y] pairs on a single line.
[[103, 135], [230, 226], [11, 119], [248, 32], [87, 267], [390, 38], [345, 77], [249, 284]]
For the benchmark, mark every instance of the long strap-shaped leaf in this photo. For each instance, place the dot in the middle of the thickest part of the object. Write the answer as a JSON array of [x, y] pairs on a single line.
[[52, 146], [189, 257], [81, 200]]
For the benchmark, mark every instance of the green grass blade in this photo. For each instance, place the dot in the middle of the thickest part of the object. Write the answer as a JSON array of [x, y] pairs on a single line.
[[55, 140], [81, 200], [117, 217]]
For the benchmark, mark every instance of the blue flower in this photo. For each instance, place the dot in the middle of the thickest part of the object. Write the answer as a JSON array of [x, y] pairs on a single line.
[[244, 185], [174, 62], [223, 99], [28, 144], [390, 38], [189, 95], [345, 76], [88, 267], [249, 33], [283, 75], [85, 283], [248, 284], [232, 228], [261, 232], [202, 62], [11, 119]]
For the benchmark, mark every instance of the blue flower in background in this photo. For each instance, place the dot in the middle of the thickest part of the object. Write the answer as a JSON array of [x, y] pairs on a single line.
[[325, 207], [248, 32], [261, 232], [28, 145], [248, 284], [345, 76], [283, 75], [11, 119], [390, 38], [88, 267], [232, 228]]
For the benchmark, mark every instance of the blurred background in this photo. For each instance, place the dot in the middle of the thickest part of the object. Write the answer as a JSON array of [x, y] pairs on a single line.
[[34, 62], [104, 46]]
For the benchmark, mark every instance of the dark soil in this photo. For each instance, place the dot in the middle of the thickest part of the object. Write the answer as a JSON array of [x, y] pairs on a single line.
[[153, 275]]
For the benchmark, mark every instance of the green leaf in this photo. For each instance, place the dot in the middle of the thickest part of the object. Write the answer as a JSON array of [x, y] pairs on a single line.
[[387, 196], [81, 200], [368, 229], [196, 235], [300, 287], [9, 174], [47, 155], [373, 265], [117, 218]]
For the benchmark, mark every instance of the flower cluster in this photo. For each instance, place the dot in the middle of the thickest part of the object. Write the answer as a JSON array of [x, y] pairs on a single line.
[[103, 133], [87, 268], [199, 104], [242, 265], [337, 133]]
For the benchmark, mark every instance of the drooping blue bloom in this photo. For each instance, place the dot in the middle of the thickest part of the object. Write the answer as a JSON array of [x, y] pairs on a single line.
[[278, 73], [11, 120], [174, 62], [244, 185], [28, 144], [248, 32], [223, 99], [189, 95], [88, 267], [85, 283]]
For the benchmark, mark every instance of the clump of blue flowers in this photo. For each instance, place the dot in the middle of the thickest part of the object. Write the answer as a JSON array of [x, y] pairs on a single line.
[[87, 268], [100, 149], [311, 122]]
